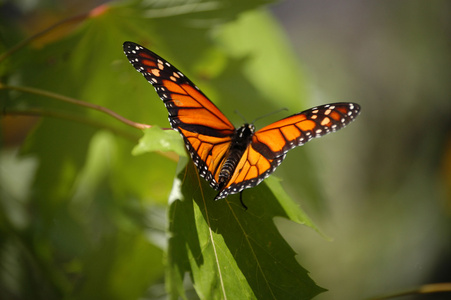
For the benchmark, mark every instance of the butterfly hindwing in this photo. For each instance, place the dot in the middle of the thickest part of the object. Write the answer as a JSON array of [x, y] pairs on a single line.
[[208, 153], [252, 169]]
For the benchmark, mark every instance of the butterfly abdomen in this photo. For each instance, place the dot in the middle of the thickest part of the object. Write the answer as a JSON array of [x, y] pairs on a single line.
[[238, 146]]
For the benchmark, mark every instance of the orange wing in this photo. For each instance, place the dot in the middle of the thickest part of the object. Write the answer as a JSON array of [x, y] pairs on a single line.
[[270, 144], [231, 159], [206, 131]]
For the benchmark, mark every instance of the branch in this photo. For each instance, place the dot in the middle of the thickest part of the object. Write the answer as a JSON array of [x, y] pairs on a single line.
[[424, 289], [62, 115], [76, 102]]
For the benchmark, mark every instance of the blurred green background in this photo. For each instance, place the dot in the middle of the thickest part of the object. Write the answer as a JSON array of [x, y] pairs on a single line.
[[80, 214], [387, 178]]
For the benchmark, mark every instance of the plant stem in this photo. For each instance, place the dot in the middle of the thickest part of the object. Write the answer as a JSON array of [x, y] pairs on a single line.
[[76, 102], [424, 289], [62, 115]]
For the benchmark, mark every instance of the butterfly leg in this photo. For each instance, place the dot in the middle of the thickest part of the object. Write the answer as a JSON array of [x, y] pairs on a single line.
[[241, 200]]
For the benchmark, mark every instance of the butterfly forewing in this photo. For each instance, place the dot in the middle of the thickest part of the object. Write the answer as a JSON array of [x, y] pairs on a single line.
[[186, 104], [277, 138]]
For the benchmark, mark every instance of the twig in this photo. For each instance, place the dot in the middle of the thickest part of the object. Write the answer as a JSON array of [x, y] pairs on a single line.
[[424, 289], [62, 115], [76, 102]]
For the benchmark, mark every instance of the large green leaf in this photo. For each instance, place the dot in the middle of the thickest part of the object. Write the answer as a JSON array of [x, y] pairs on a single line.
[[231, 252]]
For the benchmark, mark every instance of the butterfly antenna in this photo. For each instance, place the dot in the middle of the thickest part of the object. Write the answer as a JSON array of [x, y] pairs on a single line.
[[242, 117], [268, 114]]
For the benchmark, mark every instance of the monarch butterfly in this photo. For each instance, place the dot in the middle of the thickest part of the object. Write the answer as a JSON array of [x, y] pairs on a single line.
[[231, 159]]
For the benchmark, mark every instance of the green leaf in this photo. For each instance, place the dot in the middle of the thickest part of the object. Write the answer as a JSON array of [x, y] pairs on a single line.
[[131, 263], [292, 209], [156, 139], [270, 58], [231, 252]]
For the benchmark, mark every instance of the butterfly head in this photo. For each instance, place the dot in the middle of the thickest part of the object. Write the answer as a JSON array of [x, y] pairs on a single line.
[[245, 131]]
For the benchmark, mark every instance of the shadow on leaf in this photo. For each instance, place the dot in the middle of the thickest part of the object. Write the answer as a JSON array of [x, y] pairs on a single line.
[[230, 251]]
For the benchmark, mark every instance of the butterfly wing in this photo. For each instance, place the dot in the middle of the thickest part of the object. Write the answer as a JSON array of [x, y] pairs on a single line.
[[270, 144], [206, 131], [208, 134], [279, 137]]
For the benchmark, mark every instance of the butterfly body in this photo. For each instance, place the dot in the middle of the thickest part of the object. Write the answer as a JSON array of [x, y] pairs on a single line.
[[231, 159], [240, 141]]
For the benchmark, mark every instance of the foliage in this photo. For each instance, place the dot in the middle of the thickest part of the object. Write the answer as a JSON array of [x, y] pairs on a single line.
[[83, 217]]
